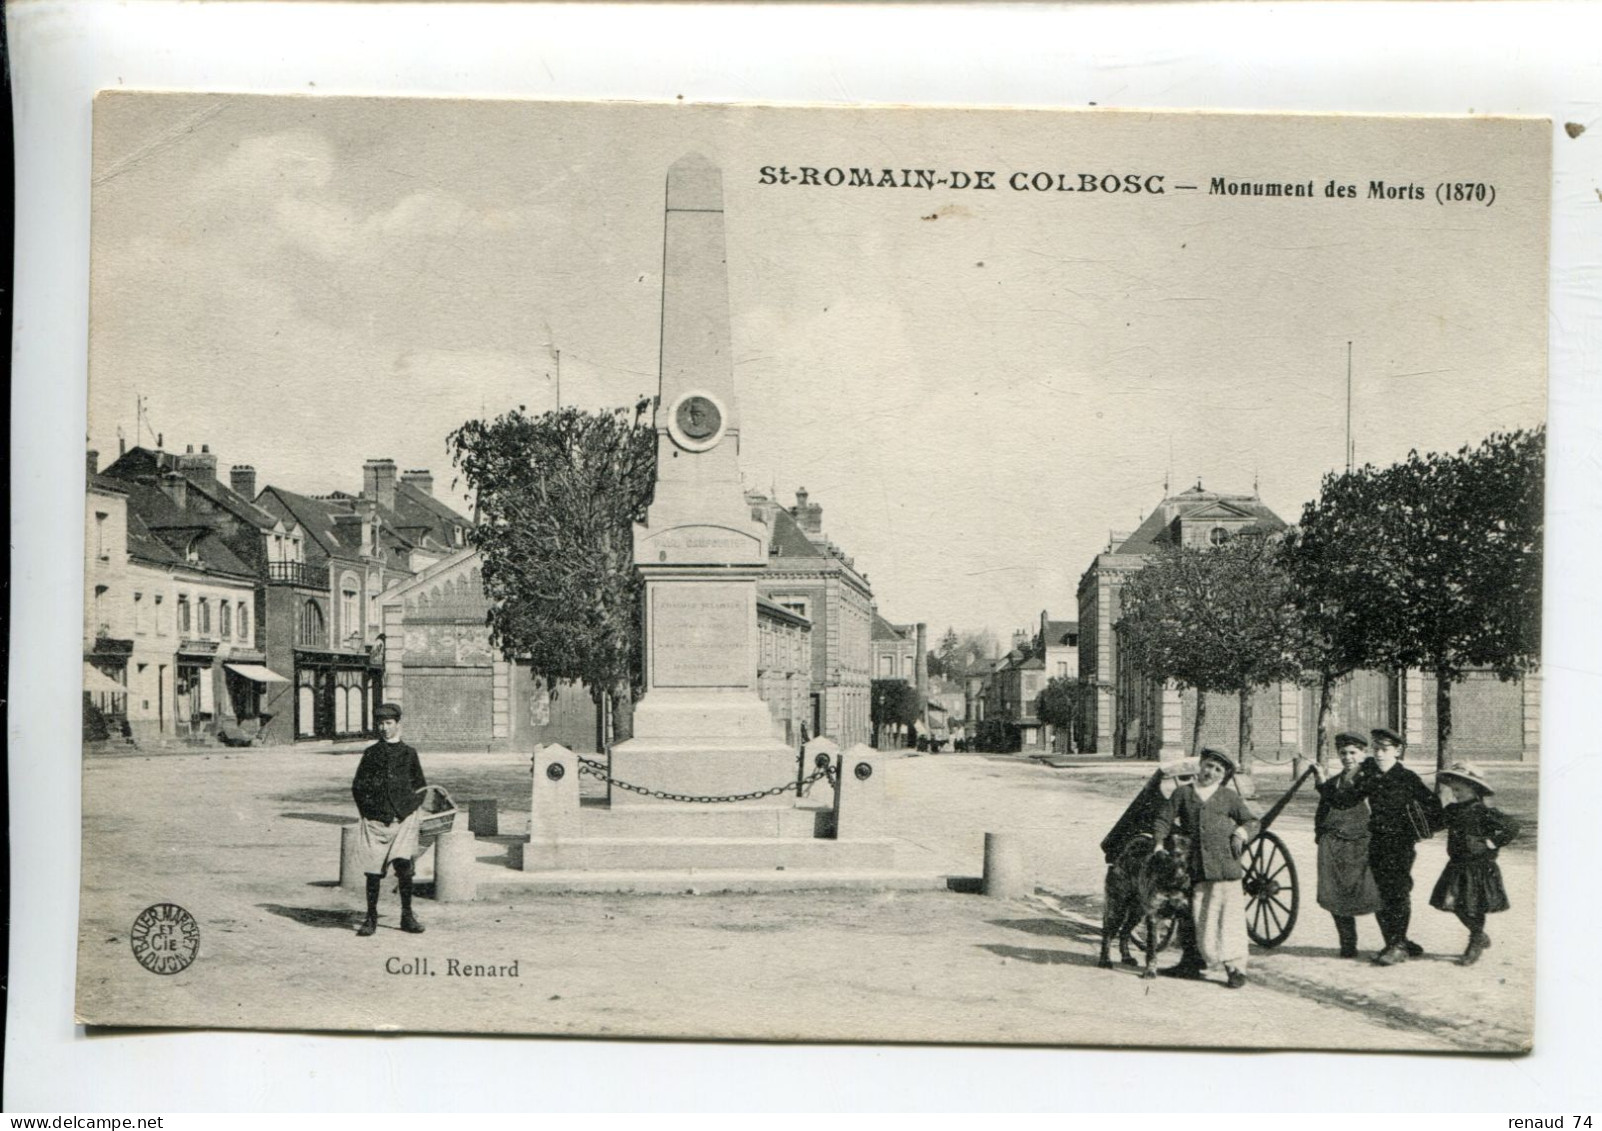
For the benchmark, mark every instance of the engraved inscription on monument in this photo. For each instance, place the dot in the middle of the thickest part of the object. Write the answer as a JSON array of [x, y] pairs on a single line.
[[700, 636]]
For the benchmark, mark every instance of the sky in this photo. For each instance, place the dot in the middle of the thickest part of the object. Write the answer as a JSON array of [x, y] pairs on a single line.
[[977, 386]]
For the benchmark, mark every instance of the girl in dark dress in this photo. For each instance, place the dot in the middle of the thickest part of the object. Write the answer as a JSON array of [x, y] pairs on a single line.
[[1471, 886]]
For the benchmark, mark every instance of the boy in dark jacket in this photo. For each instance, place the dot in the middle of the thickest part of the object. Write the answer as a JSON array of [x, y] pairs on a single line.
[[388, 789]]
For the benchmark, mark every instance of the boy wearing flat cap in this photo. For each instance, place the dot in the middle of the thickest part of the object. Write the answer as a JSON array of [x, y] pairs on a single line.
[[388, 789], [1219, 823], [1402, 811]]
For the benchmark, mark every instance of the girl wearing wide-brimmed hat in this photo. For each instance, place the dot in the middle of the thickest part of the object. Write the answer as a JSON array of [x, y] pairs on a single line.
[[1471, 886]]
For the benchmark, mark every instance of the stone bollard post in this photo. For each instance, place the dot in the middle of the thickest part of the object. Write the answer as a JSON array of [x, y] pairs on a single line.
[[350, 873], [484, 816], [1004, 867], [554, 810], [860, 807], [454, 861]]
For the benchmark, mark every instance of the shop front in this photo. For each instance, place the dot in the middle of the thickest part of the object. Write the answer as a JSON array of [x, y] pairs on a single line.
[[335, 694]]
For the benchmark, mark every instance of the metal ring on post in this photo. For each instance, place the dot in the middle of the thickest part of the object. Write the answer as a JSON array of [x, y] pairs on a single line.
[[555, 771], [864, 771], [821, 761]]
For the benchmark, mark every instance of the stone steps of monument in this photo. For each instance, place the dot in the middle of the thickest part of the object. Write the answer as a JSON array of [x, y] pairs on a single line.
[[710, 853], [704, 821], [525, 885]]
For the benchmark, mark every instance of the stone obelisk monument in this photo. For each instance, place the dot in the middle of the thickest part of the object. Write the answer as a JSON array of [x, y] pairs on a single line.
[[701, 728]]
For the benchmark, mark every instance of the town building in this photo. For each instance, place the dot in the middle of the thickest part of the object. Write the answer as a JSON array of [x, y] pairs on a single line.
[[173, 599], [458, 691], [809, 575], [784, 669], [1130, 715], [895, 651], [351, 549]]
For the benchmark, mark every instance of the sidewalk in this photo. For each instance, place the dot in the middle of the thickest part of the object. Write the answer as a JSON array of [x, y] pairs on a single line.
[[248, 842]]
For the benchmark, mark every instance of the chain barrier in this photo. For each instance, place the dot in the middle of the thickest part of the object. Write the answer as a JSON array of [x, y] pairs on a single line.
[[598, 770]]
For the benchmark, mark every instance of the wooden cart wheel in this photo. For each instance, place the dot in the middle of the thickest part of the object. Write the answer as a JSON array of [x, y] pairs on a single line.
[[1272, 898]]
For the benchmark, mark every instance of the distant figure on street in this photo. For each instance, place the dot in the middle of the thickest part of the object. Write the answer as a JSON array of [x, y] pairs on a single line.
[[1219, 823], [388, 790], [1471, 886], [1402, 812], [1346, 887]]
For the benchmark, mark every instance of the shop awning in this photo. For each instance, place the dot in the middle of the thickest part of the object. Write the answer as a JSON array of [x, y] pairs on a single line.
[[99, 683], [256, 672]]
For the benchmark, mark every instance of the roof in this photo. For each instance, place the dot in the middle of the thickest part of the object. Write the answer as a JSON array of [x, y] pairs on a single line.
[[1058, 631], [884, 630], [315, 516], [159, 533], [769, 608], [789, 540], [1190, 503], [143, 465], [415, 507]]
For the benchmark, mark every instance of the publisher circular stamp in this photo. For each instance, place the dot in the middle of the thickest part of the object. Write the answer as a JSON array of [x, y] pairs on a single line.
[[165, 938]]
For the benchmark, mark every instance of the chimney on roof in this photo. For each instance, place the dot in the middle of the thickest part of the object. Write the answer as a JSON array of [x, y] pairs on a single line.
[[378, 482], [177, 489], [421, 478], [242, 478], [92, 462], [201, 463], [921, 665], [808, 516]]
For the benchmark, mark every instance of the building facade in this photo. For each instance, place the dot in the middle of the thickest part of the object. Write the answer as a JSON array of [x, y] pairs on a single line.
[[809, 575], [1130, 715], [458, 691], [784, 669]]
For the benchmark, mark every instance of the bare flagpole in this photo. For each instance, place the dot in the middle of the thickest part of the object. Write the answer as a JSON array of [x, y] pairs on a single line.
[[1349, 450]]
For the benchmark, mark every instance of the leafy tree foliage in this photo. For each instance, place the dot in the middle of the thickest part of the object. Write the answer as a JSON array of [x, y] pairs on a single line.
[[1214, 620], [961, 654], [1058, 704], [1431, 563], [893, 703], [557, 497]]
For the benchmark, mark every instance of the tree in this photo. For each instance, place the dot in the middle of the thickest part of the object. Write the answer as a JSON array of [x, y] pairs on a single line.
[[1058, 704], [1435, 563], [557, 496], [893, 703], [1214, 620]]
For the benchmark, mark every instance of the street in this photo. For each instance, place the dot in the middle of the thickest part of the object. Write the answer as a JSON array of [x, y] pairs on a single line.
[[249, 843]]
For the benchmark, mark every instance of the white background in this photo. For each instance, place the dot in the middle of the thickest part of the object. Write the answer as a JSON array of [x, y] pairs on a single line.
[[1529, 58]]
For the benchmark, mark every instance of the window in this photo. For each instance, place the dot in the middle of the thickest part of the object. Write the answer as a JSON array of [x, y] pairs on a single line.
[[139, 614], [1062, 669], [101, 627], [183, 614], [887, 666], [1218, 536], [349, 623], [244, 623], [161, 625], [101, 551], [311, 624], [205, 616], [225, 619], [798, 605], [278, 548]]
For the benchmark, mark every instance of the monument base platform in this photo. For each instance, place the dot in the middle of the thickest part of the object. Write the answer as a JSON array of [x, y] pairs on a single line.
[[701, 768], [708, 853], [511, 886]]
